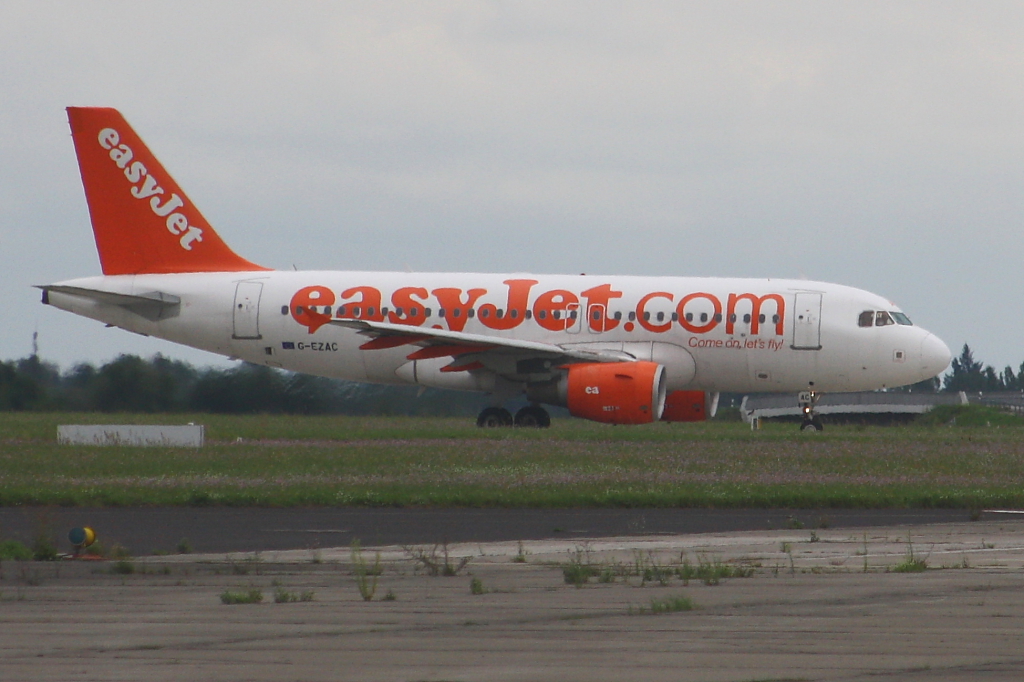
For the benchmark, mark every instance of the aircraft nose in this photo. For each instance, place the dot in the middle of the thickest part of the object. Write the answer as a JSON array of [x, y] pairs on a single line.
[[935, 356]]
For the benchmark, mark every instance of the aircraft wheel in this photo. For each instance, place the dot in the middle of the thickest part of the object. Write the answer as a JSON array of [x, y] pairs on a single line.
[[812, 425], [533, 416], [493, 417]]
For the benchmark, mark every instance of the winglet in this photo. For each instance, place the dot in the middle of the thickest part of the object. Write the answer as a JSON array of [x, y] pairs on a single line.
[[142, 221]]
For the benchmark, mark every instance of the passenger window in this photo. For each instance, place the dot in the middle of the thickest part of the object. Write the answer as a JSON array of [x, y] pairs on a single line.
[[514, 314], [596, 314], [341, 311], [471, 312], [369, 311], [775, 319], [746, 318], [882, 319], [760, 318], [675, 317], [440, 312], [647, 316], [572, 314], [718, 317], [632, 315], [355, 311], [542, 314], [299, 310], [456, 312], [484, 312], [413, 312], [689, 317], [866, 318], [529, 314], [703, 317], [661, 317], [426, 312], [618, 314], [284, 310], [398, 311]]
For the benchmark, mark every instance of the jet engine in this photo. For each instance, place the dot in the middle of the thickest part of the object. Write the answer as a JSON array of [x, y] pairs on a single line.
[[613, 392]]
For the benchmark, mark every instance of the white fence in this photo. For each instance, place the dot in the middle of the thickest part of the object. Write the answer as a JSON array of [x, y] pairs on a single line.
[[185, 436]]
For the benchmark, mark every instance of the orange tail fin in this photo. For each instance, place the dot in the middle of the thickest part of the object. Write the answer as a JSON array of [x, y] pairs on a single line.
[[143, 222]]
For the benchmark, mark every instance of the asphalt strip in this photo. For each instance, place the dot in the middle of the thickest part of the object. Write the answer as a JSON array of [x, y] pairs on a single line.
[[145, 530]]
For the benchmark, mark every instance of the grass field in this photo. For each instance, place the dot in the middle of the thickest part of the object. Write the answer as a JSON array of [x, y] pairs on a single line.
[[396, 461]]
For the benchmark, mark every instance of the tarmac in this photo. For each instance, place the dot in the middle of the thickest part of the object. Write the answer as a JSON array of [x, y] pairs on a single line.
[[818, 604]]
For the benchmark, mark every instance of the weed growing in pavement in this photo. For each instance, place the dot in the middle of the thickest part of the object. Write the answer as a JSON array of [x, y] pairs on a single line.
[[252, 563], [123, 567], [434, 563], [910, 563], [578, 570], [251, 596], [184, 546], [12, 550], [662, 606], [651, 571], [608, 574], [390, 596], [365, 574], [520, 557], [282, 596], [476, 586]]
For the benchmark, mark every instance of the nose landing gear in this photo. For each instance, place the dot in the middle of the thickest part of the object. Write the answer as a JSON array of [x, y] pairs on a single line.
[[807, 400]]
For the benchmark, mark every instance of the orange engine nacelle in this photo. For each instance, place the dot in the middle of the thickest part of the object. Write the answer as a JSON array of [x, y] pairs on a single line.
[[616, 392]]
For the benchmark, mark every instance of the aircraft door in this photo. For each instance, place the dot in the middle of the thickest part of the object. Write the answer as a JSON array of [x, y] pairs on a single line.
[[247, 310], [807, 322]]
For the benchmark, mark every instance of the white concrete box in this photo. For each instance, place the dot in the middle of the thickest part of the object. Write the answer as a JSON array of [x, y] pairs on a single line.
[[184, 436]]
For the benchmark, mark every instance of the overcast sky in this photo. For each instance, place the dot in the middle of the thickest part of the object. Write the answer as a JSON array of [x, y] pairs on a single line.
[[872, 144]]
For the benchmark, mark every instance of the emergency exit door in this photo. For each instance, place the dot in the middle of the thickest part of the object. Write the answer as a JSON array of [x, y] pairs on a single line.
[[247, 310]]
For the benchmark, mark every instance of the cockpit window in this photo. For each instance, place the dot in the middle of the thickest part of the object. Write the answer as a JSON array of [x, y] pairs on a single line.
[[902, 319], [866, 319], [882, 319]]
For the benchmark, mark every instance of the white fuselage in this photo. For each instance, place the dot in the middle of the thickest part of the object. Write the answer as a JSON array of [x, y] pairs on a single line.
[[736, 335]]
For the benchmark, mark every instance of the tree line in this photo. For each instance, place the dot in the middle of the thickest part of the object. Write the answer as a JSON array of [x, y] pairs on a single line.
[[133, 384], [158, 384]]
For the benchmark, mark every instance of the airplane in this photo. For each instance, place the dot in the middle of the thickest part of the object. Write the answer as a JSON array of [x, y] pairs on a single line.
[[612, 349]]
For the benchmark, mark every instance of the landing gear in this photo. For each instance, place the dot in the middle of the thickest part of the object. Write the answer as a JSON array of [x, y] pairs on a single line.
[[533, 416], [492, 417], [812, 425], [530, 417], [807, 400]]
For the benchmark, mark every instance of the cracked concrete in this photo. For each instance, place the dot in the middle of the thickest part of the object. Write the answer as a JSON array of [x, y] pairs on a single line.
[[808, 612]]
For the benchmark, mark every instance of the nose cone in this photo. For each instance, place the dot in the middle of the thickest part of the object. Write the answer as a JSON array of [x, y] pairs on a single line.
[[935, 356]]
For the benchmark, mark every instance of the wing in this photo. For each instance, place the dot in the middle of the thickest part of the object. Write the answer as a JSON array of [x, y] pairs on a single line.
[[511, 358]]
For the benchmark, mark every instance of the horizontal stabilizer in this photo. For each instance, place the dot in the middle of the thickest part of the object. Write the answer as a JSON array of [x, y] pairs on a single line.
[[152, 305]]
